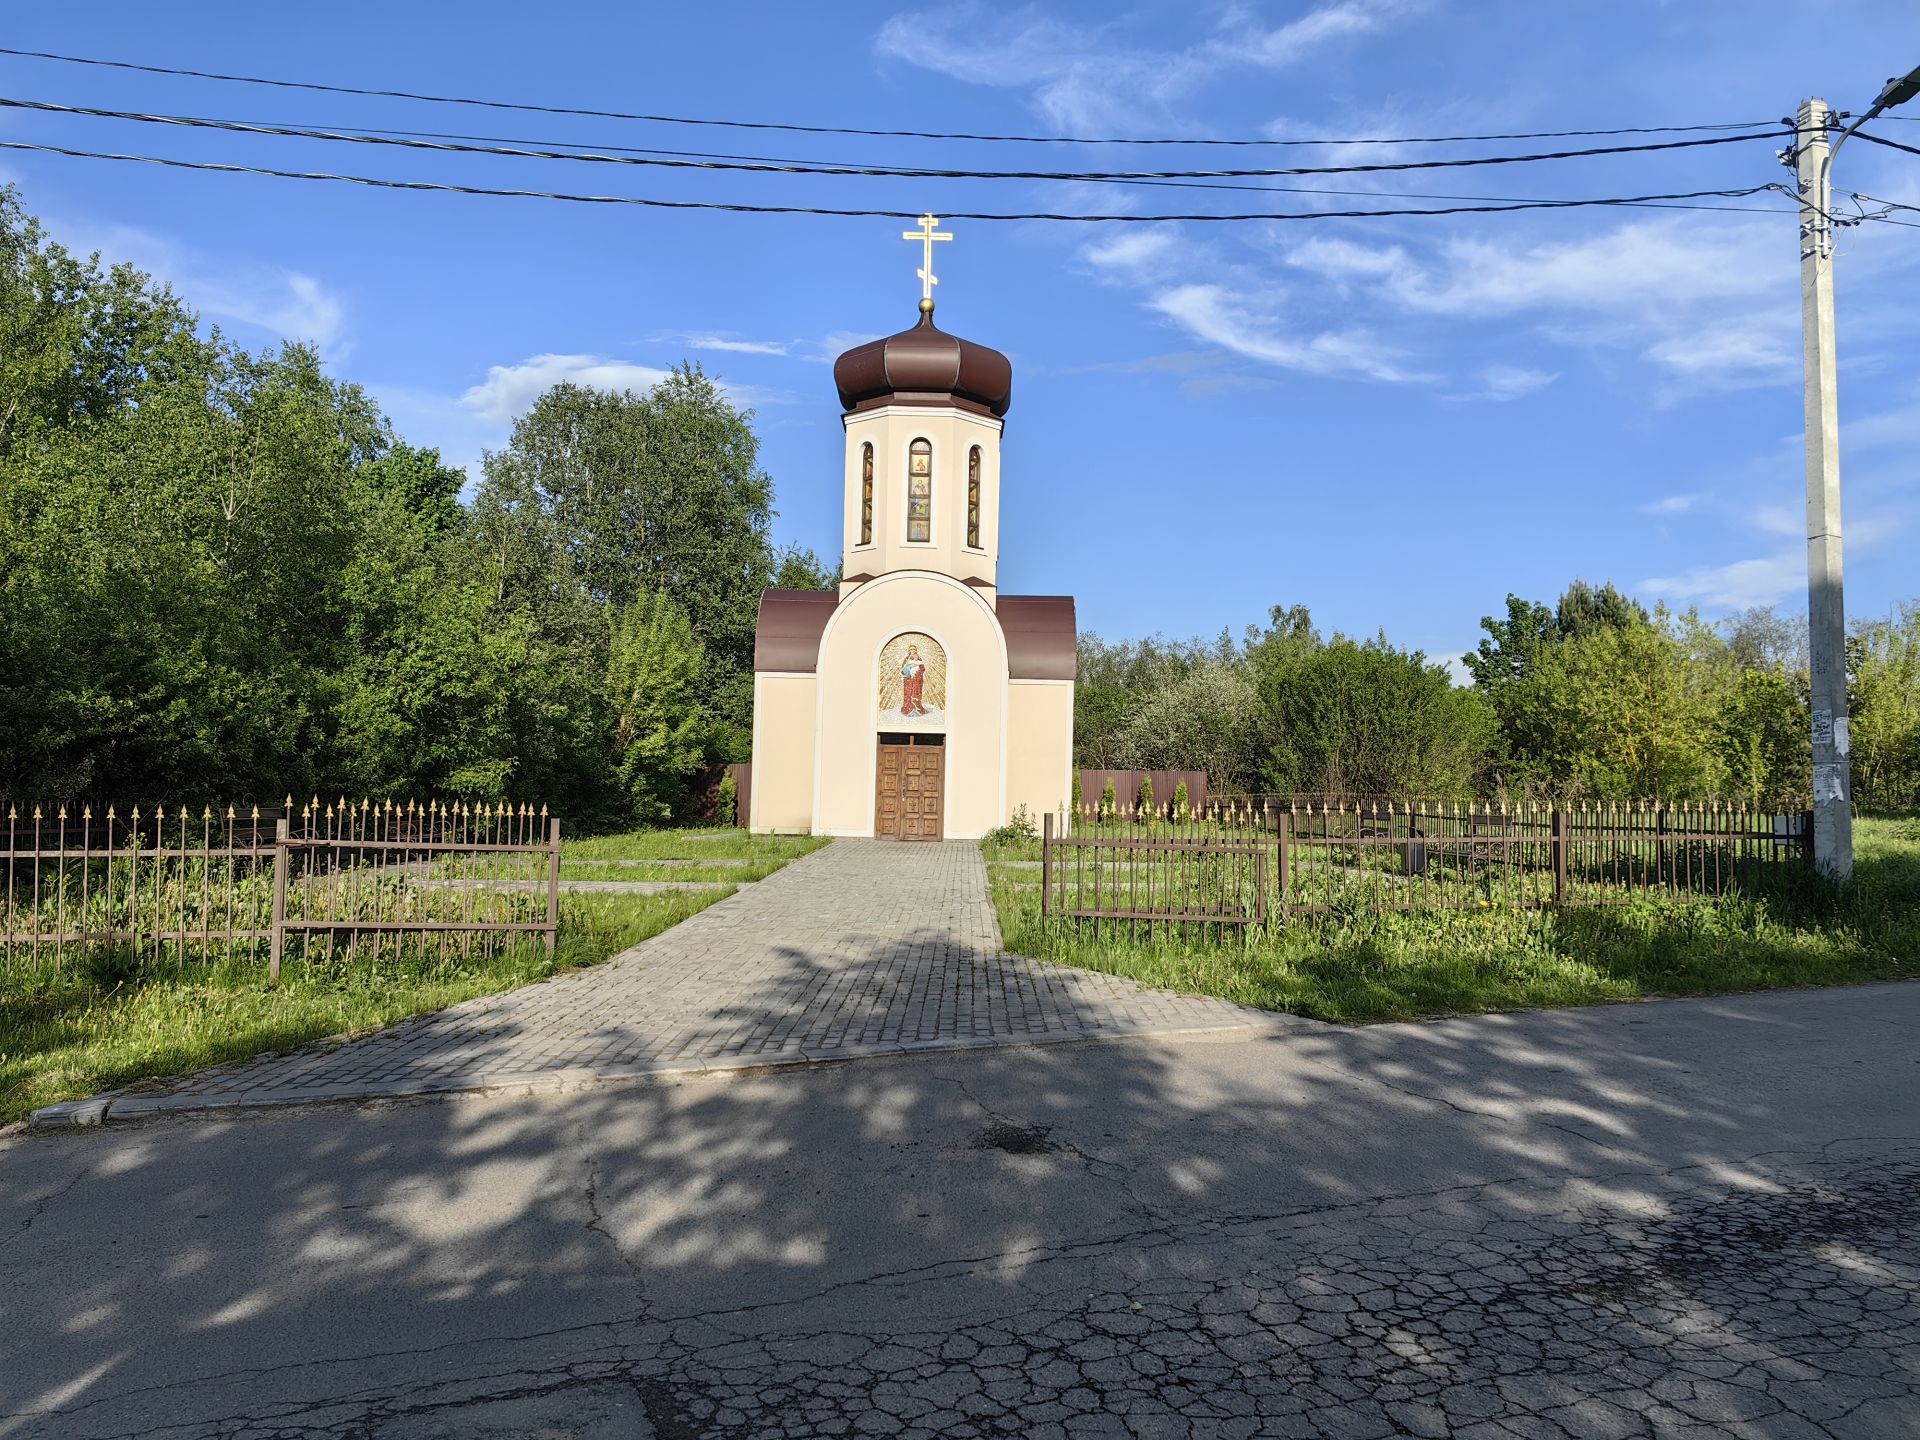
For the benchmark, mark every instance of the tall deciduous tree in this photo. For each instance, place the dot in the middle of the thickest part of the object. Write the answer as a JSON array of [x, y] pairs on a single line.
[[630, 492]]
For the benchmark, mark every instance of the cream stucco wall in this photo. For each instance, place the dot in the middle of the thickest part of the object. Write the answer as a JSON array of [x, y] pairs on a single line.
[[1039, 746], [846, 730], [785, 710], [952, 433]]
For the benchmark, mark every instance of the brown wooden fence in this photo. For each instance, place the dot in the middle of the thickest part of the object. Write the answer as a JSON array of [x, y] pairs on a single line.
[[1211, 871], [172, 885]]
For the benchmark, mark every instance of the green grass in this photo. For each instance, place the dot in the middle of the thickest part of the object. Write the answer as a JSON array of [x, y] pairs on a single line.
[[90, 1024], [690, 844], [1010, 850], [1367, 967], [645, 870]]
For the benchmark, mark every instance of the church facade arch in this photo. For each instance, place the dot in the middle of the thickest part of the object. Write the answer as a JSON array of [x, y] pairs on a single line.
[[846, 727]]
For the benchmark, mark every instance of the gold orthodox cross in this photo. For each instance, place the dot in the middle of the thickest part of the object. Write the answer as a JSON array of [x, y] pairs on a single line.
[[926, 235]]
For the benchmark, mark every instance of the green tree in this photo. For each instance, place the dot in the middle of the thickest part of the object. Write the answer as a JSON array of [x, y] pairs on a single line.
[[1204, 718], [1584, 610], [658, 492], [1631, 711], [428, 492], [800, 569], [1763, 740], [1514, 647], [653, 678], [1883, 660], [1369, 719]]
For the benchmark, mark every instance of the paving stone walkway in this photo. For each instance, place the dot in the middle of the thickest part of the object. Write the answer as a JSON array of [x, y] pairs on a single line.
[[861, 948]]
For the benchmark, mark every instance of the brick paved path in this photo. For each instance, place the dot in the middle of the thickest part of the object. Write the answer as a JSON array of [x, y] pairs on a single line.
[[861, 948]]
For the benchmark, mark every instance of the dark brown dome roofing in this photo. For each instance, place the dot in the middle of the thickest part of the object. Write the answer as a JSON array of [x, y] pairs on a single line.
[[924, 366]]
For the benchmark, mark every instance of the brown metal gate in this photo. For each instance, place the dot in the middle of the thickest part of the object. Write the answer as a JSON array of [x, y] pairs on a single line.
[[909, 793]]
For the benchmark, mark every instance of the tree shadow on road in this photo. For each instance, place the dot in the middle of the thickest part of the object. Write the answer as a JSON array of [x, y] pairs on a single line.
[[1393, 1226]]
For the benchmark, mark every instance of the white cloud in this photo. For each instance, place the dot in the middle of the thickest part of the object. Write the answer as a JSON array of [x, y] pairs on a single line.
[[1218, 316], [1339, 259], [1083, 78], [1764, 580], [1670, 505], [510, 390], [1778, 520], [1637, 268], [1133, 250], [1705, 300], [284, 304], [1887, 429], [1733, 352], [836, 343], [1512, 382], [729, 344]]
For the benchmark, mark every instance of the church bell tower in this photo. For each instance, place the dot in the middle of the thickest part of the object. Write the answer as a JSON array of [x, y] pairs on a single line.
[[923, 413], [917, 702]]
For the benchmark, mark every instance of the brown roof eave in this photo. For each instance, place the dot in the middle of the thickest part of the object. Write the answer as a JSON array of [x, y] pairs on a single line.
[[1042, 636], [787, 634]]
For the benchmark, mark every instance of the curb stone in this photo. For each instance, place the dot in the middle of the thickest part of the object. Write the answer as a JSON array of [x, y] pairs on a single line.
[[71, 1114], [106, 1109]]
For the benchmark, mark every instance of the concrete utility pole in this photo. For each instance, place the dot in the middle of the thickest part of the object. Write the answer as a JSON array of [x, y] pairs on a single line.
[[1826, 600], [1826, 591]]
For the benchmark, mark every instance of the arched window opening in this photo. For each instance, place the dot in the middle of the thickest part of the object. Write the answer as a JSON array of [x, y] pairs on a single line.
[[920, 491], [866, 494], [973, 498]]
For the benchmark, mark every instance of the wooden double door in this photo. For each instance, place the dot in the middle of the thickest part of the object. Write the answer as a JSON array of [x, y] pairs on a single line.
[[910, 787]]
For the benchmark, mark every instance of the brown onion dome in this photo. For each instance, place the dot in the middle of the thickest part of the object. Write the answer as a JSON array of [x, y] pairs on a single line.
[[924, 366]]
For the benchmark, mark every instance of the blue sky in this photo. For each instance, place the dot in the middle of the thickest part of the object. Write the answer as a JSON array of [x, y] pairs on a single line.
[[1392, 421]]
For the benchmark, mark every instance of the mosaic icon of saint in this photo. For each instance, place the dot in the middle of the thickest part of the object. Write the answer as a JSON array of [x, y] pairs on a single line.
[[913, 680]]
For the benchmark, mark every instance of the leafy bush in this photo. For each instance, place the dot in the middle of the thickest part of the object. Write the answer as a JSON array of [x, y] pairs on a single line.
[[1017, 830]]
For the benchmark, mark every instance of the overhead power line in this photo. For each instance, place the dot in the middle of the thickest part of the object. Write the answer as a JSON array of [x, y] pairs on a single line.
[[1884, 218], [1873, 139], [652, 203], [196, 122], [790, 160], [432, 99]]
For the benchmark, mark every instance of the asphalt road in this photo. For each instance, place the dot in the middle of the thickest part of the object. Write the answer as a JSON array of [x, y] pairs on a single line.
[[1687, 1218]]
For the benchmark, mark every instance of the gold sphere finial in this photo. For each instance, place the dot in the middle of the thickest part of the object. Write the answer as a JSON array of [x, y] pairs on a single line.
[[926, 306]]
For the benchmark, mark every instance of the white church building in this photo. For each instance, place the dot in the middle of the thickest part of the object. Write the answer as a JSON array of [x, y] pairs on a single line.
[[918, 702]]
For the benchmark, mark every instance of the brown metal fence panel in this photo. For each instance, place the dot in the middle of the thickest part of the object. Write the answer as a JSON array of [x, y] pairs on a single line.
[[325, 880], [1209, 869]]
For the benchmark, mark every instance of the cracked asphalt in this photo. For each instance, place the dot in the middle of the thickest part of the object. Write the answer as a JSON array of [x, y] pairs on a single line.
[[1687, 1218]]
